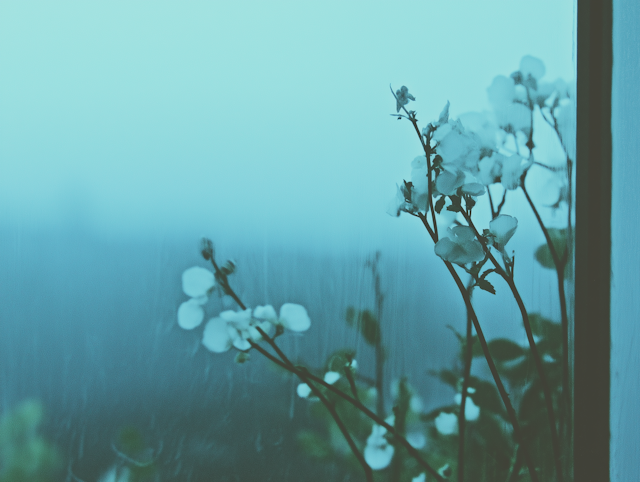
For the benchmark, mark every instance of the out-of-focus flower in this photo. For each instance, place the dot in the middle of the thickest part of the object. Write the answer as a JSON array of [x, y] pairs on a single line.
[[292, 316], [446, 423], [471, 410], [473, 189], [416, 439], [399, 204], [532, 66], [509, 115], [419, 478], [331, 377], [378, 452], [459, 149], [512, 169], [303, 390], [460, 247], [448, 182], [232, 328], [403, 97], [197, 283]]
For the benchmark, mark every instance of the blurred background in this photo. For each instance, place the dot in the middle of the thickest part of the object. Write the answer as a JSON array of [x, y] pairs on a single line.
[[128, 130]]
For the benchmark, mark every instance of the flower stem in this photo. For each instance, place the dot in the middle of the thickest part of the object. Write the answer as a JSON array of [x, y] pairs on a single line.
[[468, 357], [534, 351], [492, 366]]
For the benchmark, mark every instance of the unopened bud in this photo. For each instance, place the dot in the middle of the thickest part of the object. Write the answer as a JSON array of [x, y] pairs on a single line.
[[229, 267], [206, 248]]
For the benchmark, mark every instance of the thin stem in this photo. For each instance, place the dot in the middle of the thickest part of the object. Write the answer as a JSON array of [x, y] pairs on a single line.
[[305, 376], [534, 350], [345, 433], [357, 404], [378, 347], [492, 367], [468, 357]]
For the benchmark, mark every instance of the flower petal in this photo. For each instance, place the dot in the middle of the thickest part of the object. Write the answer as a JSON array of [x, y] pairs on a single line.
[[503, 227], [331, 377], [190, 314], [378, 457], [216, 336], [294, 317], [446, 423], [197, 281], [265, 313], [532, 66], [303, 390]]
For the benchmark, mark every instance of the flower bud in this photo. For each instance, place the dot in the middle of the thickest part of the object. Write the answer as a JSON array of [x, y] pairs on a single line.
[[229, 267], [206, 248]]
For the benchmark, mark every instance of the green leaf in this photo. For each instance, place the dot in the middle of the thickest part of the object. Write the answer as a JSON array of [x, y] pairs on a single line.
[[543, 253], [503, 350], [483, 284], [369, 327], [447, 376], [440, 204]]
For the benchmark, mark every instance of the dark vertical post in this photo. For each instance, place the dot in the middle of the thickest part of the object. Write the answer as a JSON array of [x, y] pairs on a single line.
[[592, 333]]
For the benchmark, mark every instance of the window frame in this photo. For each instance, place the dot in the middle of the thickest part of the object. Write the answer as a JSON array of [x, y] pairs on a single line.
[[592, 324]]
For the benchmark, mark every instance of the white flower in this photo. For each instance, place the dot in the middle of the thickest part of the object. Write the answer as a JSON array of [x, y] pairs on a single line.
[[459, 149], [420, 183], [482, 126], [294, 317], [378, 452], [303, 390], [416, 439], [419, 478], [473, 189], [448, 182], [532, 66], [232, 328], [471, 410], [398, 204], [502, 91], [503, 228], [331, 377], [403, 97], [190, 314], [447, 423], [513, 168], [460, 246], [490, 168], [197, 282]]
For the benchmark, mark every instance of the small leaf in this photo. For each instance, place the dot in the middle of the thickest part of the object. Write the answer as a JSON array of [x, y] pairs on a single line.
[[483, 284], [456, 204], [440, 204], [543, 253], [369, 327]]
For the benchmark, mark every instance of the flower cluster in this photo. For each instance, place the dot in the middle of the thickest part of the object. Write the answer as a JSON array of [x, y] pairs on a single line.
[[233, 328]]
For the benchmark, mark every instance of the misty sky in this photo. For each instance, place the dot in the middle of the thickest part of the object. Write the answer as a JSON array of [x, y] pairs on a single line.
[[246, 119]]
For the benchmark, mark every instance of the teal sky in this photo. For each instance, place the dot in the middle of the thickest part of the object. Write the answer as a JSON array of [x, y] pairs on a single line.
[[244, 119]]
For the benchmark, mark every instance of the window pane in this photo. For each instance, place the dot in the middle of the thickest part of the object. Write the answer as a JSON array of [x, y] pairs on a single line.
[[130, 133], [624, 255]]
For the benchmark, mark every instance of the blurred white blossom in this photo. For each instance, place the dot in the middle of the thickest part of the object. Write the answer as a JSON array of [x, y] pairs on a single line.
[[378, 452], [197, 282], [447, 423]]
